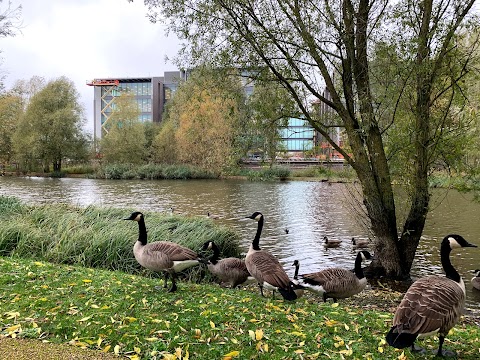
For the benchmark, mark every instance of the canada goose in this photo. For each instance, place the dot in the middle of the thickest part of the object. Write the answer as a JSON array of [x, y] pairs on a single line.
[[432, 304], [287, 231], [476, 279], [231, 270], [328, 243], [163, 256], [338, 283], [213, 216], [265, 268], [359, 244]]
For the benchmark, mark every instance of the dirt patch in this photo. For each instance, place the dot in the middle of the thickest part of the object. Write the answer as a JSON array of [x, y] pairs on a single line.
[[28, 349]]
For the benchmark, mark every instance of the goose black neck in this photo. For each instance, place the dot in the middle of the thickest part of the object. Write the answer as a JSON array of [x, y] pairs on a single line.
[[358, 266], [447, 265], [142, 231], [255, 242], [295, 276], [216, 254]]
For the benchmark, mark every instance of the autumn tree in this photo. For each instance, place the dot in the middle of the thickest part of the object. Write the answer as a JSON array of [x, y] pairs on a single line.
[[51, 130], [124, 141], [25, 89], [10, 113], [204, 115], [309, 46], [164, 147]]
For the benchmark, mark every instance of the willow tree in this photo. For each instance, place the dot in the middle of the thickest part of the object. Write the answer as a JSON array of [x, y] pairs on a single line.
[[310, 46]]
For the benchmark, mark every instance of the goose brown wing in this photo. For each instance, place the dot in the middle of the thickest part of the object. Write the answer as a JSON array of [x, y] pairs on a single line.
[[233, 264], [431, 303], [265, 267], [232, 269], [324, 277], [174, 251]]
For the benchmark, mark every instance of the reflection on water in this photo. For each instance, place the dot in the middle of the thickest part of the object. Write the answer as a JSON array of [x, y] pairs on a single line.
[[309, 210]]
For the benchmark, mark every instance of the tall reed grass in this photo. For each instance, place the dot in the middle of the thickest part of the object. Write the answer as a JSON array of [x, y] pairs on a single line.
[[98, 237]]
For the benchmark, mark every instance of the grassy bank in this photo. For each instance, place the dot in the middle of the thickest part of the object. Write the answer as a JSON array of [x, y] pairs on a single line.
[[98, 237], [68, 275], [122, 313]]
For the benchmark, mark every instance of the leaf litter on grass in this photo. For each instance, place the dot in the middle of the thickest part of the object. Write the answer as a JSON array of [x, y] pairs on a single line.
[[124, 314]]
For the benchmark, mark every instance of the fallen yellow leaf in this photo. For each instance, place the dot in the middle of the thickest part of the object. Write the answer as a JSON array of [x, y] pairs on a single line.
[[13, 328], [85, 318], [231, 354]]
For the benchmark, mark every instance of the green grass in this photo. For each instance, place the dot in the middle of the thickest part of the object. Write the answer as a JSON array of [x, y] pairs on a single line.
[[118, 312]]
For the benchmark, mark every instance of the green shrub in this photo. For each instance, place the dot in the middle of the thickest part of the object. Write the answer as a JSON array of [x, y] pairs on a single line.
[[150, 172], [271, 173], [115, 171], [153, 172], [78, 169]]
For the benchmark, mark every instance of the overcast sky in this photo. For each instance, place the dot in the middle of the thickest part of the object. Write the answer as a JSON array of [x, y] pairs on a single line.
[[83, 40]]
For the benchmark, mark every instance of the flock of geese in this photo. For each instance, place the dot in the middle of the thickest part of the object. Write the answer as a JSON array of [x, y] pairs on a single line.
[[432, 304]]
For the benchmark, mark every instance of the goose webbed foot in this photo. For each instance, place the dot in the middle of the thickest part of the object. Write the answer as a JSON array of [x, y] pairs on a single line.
[[447, 353], [444, 353], [165, 280], [173, 276], [440, 352], [417, 349]]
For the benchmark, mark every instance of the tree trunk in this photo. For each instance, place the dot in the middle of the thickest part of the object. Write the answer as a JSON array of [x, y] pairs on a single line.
[[57, 166], [415, 222], [365, 139]]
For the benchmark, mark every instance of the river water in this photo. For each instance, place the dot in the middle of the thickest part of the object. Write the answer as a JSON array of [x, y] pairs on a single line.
[[308, 209]]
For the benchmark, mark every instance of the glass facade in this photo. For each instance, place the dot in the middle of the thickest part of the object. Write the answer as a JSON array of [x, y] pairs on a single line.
[[142, 91], [298, 136]]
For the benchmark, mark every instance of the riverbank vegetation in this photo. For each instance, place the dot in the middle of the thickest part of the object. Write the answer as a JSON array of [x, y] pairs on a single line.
[[98, 237], [121, 313]]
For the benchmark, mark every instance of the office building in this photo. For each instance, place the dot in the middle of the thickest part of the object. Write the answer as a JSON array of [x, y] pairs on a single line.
[[151, 94]]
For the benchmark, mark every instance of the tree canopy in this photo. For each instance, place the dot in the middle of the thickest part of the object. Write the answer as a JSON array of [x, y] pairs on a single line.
[[393, 71], [203, 122], [10, 113], [51, 129]]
